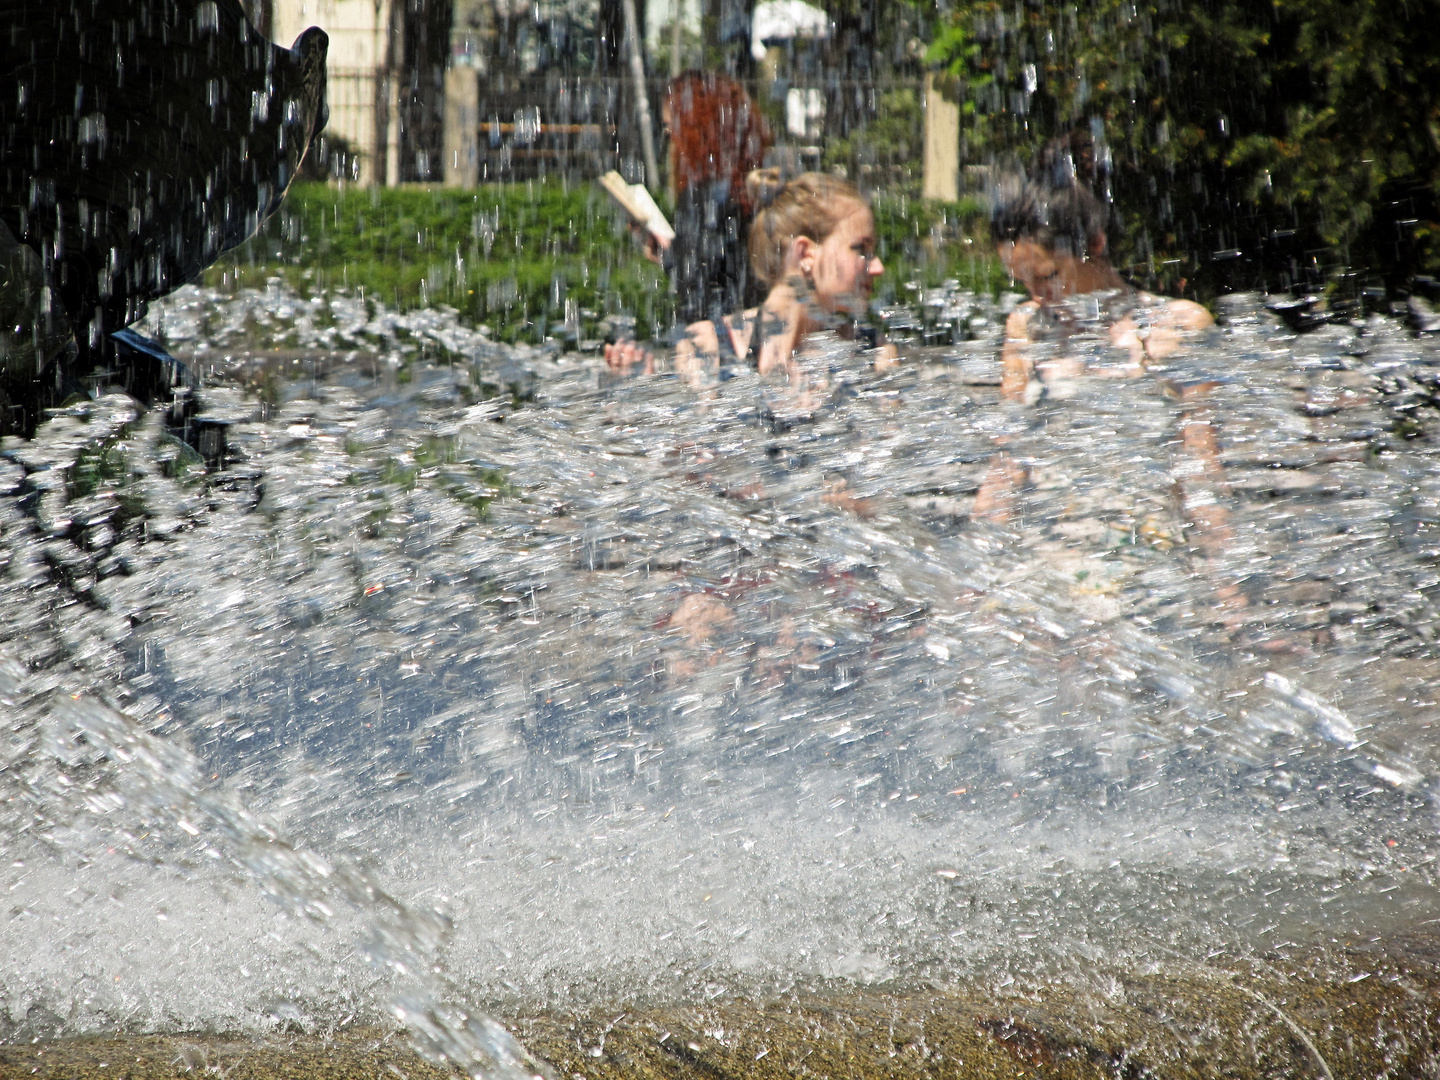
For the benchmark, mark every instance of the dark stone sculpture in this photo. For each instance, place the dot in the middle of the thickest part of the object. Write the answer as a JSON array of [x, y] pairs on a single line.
[[139, 140]]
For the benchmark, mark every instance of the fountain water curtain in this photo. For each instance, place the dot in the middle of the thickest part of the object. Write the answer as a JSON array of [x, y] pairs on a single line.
[[634, 694], [554, 691]]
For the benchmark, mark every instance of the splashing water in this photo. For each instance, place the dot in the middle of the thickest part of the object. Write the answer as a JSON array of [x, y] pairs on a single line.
[[594, 689]]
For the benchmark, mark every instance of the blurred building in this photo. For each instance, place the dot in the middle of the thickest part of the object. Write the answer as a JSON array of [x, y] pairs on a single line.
[[538, 88]]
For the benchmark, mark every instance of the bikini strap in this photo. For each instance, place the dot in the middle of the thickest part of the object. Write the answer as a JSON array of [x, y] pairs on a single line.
[[727, 343]]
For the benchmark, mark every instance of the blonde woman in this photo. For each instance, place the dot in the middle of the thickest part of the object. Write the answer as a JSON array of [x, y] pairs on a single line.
[[812, 243]]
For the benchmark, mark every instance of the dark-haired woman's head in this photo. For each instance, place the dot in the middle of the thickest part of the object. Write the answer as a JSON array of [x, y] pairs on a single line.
[[1050, 230], [1062, 217]]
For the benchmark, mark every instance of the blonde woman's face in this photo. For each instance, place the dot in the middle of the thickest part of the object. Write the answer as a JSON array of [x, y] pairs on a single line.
[[845, 265]]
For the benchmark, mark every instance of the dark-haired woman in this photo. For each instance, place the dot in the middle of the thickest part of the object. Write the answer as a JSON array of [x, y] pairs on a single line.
[[1051, 235]]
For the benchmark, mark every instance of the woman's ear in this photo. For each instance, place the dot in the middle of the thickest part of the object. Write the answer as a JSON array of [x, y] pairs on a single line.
[[802, 254], [1098, 244]]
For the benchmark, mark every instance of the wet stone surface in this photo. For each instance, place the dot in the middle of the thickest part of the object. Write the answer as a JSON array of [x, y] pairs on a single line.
[[1171, 1020]]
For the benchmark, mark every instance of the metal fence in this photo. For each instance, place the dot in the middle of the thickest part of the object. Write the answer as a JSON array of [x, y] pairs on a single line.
[[553, 124], [581, 126]]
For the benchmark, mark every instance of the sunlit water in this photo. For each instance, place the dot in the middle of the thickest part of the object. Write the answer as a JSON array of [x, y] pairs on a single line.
[[625, 690]]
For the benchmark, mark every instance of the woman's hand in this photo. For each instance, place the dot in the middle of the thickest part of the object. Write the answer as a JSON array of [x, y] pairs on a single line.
[[1170, 325], [623, 356], [651, 246]]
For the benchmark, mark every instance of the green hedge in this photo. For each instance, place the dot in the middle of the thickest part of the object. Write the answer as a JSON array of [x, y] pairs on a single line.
[[512, 256], [521, 258]]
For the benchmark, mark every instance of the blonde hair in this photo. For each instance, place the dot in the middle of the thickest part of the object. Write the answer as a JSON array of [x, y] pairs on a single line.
[[810, 204]]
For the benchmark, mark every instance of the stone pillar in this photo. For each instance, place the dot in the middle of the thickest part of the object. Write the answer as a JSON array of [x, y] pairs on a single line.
[[942, 145], [462, 122], [391, 129]]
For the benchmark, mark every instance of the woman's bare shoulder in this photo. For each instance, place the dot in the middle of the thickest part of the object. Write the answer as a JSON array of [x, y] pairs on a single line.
[[700, 337], [703, 337], [1188, 315], [1180, 314]]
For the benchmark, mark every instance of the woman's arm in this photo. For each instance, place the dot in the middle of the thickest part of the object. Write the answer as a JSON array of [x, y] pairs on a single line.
[[697, 350], [1015, 363]]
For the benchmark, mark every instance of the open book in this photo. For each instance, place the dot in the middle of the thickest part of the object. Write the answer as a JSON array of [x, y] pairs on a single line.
[[636, 201]]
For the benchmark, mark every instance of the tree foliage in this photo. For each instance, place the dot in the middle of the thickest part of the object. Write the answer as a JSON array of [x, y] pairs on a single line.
[[887, 152], [1248, 143]]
